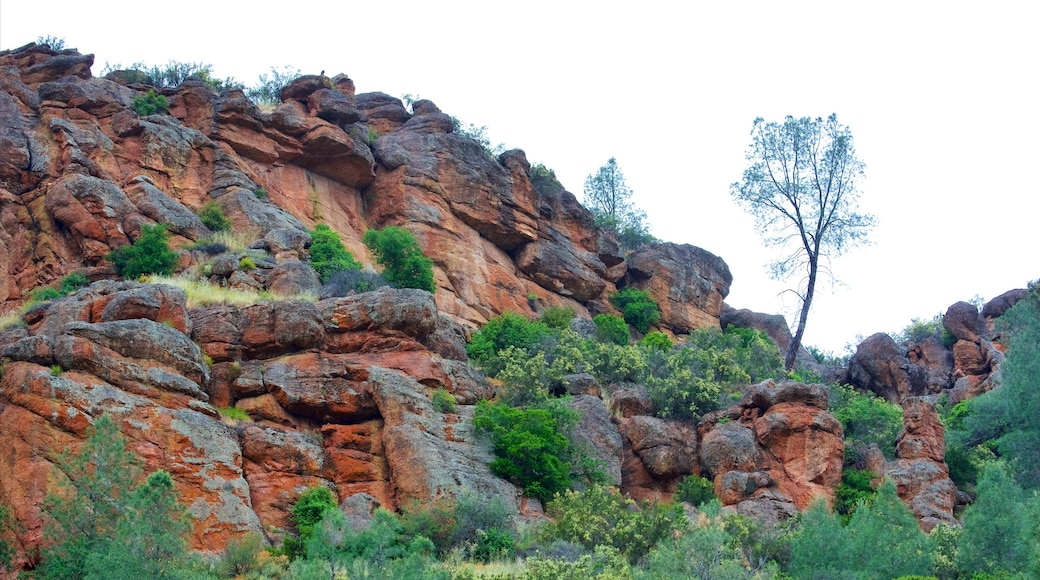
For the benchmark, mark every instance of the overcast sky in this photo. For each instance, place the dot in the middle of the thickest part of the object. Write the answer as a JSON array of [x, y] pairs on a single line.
[[941, 98]]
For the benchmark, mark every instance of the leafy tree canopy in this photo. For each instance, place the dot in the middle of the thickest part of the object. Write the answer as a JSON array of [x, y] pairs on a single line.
[[609, 199]]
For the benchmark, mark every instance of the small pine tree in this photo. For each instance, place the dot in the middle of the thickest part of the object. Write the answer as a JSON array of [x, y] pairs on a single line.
[[397, 250], [149, 254]]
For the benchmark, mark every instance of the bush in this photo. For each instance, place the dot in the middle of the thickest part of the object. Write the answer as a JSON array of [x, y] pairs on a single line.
[[558, 317], [866, 420], [73, 282], [695, 490], [637, 307], [328, 255], [268, 90], [610, 328], [349, 282], [503, 331], [854, 489], [234, 413], [443, 401], [531, 449], [600, 516], [404, 264], [920, 329], [45, 294], [212, 215], [310, 508], [150, 103], [657, 341], [149, 254]]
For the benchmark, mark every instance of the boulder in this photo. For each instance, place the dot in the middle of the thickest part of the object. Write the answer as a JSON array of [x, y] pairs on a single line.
[[598, 434], [962, 321], [882, 366], [688, 283]]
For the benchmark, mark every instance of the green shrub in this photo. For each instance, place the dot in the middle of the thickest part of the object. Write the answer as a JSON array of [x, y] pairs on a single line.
[[695, 490], [657, 341], [309, 509], [502, 331], [404, 264], [149, 254], [920, 329], [637, 307], [443, 401], [268, 90], [56, 370], [610, 328], [600, 516], [150, 103], [260, 193], [73, 282], [241, 556], [558, 317], [854, 489], [234, 413], [866, 420], [328, 255], [45, 294], [212, 215], [494, 544], [530, 445], [246, 263]]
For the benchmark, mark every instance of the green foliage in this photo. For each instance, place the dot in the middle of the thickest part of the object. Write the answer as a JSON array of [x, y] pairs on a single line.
[[508, 329], [610, 328], [558, 317], [854, 489], [531, 446], [544, 179], [268, 89], [260, 193], [212, 215], [148, 254], [822, 548], [383, 549], [605, 563], [608, 197], [920, 329], [234, 413], [150, 537], [56, 370], [1000, 536], [637, 307], [443, 401], [328, 255], [6, 545], [695, 490], [656, 341], [69, 284], [600, 516], [150, 103], [715, 546], [404, 264], [246, 263], [241, 556], [84, 509], [494, 544], [45, 294], [310, 508], [477, 133], [866, 420]]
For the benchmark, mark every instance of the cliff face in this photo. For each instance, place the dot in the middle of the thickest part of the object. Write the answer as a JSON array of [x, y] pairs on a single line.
[[338, 390], [81, 172]]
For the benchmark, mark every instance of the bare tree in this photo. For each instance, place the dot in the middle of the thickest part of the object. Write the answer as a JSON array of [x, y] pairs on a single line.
[[800, 186]]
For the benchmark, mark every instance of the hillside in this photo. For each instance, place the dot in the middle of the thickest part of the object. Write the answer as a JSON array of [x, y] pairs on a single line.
[[247, 405]]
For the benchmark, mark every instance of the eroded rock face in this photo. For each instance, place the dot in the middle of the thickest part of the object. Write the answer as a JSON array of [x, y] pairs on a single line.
[[688, 283], [784, 450], [880, 365], [919, 470]]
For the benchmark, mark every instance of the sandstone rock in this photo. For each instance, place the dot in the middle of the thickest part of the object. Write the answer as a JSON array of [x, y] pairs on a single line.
[[409, 311], [293, 278], [767, 394], [962, 320], [596, 431], [919, 471], [774, 325], [968, 359], [333, 106], [630, 402], [996, 307], [385, 114], [448, 339], [728, 447], [667, 449], [581, 384], [302, 87], [688, 283], [881, 366]]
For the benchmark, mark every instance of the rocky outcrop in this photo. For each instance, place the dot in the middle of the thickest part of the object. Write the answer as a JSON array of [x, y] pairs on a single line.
[[783, 450], [688, 283], [338, 393], [882, 366], [919, 470]]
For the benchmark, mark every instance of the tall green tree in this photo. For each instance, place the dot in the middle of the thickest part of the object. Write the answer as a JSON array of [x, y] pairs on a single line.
[[83, 510], [999, 536], [609, 199], [801, 188], [149, 539]]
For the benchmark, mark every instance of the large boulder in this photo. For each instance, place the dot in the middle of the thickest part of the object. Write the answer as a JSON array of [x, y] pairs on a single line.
[[689, 283], [882, 366]]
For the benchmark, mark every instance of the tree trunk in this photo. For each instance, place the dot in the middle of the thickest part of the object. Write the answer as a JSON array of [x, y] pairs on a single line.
[[796, 342]]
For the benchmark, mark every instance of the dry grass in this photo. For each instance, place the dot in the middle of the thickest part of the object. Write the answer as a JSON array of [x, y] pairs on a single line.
[[11, 318], [202, 293]]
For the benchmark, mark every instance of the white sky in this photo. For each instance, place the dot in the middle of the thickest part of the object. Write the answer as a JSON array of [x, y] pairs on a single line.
[[941, 98]]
